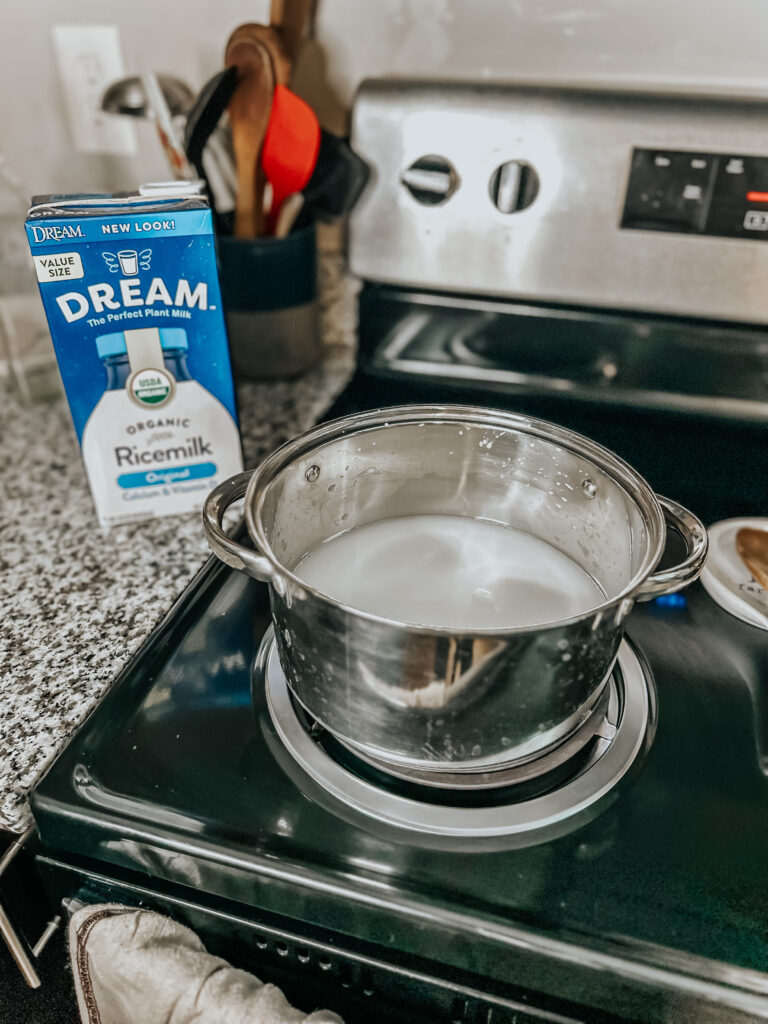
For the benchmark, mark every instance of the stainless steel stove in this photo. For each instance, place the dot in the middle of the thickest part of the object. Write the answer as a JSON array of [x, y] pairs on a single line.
[[590, 257], [596, 260]]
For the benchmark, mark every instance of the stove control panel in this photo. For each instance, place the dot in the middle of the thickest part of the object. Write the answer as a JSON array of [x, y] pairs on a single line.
[[718, 194], [576, 197]]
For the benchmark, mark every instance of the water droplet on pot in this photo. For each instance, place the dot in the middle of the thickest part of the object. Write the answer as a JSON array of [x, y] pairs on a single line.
[[312, 474], [477, 750], [589, 487], [332, 487]]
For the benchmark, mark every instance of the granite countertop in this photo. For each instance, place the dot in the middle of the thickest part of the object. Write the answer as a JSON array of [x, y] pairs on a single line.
[[76, 601]]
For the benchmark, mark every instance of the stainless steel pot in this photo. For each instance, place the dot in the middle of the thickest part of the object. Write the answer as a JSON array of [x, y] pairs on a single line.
[[443, 699]]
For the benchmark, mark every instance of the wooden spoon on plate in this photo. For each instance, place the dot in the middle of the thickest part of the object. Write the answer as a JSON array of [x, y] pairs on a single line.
[[752, 548], [249, 112]]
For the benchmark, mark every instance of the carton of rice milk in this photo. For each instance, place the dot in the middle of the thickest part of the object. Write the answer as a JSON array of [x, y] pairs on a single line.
[[131, 292]]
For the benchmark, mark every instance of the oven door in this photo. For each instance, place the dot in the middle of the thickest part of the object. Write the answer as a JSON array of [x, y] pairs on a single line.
[[314, 967]]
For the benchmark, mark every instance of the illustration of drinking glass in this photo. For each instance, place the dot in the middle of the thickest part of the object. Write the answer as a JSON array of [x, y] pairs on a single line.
[[129, 262]]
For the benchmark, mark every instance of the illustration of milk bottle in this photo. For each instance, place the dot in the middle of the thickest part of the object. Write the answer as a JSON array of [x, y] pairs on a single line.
[[156, 441]]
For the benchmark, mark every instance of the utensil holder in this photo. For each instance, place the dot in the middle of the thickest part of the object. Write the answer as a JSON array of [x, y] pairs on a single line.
[[269, 290]]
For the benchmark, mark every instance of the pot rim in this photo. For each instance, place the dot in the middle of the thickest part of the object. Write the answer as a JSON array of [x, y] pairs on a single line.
[[632, 483]]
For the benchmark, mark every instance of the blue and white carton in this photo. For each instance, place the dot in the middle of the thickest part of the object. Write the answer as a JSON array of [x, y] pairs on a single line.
[[131, 292]]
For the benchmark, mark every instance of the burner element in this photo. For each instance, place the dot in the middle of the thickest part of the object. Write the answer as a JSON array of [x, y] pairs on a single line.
[[599, 724], [579, 787]]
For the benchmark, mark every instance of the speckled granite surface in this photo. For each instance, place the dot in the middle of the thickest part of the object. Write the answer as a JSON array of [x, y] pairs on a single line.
[[76, 602]]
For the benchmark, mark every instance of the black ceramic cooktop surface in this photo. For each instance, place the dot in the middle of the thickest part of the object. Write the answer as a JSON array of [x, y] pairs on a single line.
[[179, 772]]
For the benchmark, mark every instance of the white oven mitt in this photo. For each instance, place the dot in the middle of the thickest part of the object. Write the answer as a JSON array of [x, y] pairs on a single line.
[[133, 966]]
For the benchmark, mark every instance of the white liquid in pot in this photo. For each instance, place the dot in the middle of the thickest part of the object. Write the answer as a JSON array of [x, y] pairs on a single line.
[[450, 571]]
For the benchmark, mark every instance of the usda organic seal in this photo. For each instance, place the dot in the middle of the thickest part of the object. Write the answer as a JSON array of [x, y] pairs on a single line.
[[151, 386]]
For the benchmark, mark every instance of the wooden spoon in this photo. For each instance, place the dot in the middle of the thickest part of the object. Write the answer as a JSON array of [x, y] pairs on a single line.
[[270, 37], [291, 19], [249, 112], [752, 547], [282, 37]]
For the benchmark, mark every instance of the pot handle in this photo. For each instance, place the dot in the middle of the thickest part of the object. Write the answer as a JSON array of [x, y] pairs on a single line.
[[693, 532], [228, 550]]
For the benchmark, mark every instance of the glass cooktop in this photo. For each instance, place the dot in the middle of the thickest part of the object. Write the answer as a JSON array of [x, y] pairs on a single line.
[[179, 775]]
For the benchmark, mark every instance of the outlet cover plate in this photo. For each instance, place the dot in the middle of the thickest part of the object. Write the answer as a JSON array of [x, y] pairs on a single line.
[[89, 59]]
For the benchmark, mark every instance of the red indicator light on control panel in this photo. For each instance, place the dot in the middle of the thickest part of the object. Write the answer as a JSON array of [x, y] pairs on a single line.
[[757, 197]]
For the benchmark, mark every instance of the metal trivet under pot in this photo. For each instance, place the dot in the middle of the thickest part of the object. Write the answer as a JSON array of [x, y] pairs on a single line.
[[529, 806]]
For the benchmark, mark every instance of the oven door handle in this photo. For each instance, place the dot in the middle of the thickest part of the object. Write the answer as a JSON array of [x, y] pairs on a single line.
[[17, 947]]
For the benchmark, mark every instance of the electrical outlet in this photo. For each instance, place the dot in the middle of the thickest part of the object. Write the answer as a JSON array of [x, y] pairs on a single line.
[[89, 59]]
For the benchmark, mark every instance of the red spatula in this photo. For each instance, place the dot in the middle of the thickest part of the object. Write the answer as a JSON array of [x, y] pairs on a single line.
[[291, 145]]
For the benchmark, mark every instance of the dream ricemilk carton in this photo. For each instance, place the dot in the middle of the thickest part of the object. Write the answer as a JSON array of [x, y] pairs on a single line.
[[131, 292]]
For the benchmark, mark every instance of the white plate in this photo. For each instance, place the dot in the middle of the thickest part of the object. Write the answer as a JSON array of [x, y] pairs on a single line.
[[727, 580]]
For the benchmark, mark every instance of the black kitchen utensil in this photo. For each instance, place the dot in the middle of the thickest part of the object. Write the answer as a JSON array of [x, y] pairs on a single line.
[[206, 113], [339, 177]]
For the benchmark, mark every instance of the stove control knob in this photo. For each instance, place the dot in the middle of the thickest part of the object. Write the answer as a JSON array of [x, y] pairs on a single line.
[[431, 180], [513, 186]]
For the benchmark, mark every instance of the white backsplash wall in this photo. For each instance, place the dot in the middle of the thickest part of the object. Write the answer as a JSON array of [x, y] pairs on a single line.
[[185, 38], [689, 42], [686, 44], [689, 45]]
